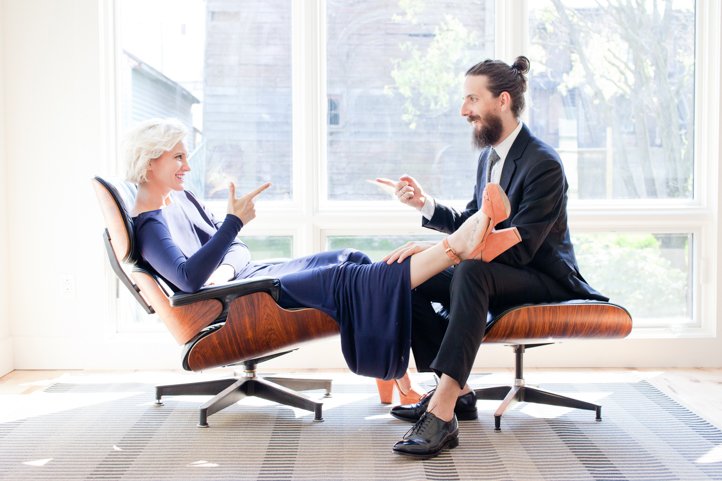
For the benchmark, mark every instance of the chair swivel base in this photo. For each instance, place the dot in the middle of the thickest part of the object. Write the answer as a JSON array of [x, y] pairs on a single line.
[[227, 392], [510, 395]]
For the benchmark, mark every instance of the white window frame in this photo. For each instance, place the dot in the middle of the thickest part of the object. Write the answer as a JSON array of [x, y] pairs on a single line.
[[310, 218]]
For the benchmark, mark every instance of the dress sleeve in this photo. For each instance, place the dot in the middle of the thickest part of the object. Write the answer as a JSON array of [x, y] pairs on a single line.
[[238, 255], [187, 273]]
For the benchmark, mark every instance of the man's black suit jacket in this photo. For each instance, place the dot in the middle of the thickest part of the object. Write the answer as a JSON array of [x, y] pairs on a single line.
[[533, 179]]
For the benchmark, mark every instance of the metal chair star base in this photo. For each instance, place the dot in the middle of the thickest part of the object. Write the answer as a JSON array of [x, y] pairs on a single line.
[[535, 325], [229, 391]]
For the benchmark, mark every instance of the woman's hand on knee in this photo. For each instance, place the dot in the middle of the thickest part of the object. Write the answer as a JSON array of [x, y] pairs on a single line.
[[407, 250]]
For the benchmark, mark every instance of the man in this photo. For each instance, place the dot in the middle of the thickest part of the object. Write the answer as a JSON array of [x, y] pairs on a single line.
[[541, 268]]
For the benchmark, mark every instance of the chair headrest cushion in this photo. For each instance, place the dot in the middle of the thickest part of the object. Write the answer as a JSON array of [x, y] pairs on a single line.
[[123, 193]]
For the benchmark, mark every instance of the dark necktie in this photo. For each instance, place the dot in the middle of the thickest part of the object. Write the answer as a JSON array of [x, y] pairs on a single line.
[[490, 163]]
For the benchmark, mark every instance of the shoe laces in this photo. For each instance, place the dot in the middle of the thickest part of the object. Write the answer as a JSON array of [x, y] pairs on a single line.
[[420, 427]]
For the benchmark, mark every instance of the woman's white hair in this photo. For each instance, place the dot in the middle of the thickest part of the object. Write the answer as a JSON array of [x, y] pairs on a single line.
[[147, 141]]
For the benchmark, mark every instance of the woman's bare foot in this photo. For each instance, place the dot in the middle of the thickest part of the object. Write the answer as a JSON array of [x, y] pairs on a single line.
[[476, 238], [467, 238]]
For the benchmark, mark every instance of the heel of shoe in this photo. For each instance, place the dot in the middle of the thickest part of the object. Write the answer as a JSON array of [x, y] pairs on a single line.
[[498, 242], [386, 390], [411, 397], [408, 394], [471, 415]]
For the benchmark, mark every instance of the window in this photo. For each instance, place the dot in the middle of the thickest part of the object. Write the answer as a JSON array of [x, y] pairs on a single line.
[[334, 111], [614, 92], [376, 247], [318, 97], [269, 247], [224, 68], [399, 66], [655, 280]]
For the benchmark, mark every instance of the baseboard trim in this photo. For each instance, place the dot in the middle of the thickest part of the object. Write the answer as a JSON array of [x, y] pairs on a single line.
[[119, 352], [159, 351]]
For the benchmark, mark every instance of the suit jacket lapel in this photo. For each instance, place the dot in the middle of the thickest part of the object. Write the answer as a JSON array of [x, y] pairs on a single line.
[[515, 153]]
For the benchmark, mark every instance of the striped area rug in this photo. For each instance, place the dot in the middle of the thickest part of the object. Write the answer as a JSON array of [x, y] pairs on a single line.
[[114, 431]]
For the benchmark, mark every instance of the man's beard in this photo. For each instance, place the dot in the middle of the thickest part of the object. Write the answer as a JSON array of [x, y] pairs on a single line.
[[489, 133]]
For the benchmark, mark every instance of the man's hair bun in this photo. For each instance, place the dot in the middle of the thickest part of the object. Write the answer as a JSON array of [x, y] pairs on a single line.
[[521, 65]]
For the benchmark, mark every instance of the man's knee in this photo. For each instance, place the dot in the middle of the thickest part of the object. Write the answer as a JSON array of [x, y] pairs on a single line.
[[472, 274]]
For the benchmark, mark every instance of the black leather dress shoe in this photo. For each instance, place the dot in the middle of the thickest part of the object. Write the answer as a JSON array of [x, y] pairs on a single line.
[[429, 436], [465, 408]]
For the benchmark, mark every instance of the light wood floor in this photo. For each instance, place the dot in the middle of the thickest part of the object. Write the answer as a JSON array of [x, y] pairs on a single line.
[[700, 390]]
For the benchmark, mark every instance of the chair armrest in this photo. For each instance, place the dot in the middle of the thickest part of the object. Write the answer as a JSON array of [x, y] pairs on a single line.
[[228, 292]]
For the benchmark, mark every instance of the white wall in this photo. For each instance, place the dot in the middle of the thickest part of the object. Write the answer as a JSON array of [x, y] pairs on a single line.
[[6, 347], [57, 94], [59, 303], [53, 146]]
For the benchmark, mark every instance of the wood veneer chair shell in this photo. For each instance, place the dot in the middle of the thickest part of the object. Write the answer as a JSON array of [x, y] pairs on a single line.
[[255, 327], [550, 322]]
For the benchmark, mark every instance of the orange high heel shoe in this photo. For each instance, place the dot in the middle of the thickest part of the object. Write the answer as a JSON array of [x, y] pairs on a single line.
[[408, 394], [499, 241], [495, 205], [386, 390]]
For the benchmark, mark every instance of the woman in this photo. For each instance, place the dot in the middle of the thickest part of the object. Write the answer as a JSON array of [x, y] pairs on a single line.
[[178, 239]]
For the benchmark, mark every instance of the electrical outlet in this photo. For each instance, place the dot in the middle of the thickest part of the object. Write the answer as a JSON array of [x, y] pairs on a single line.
[[67, 285]]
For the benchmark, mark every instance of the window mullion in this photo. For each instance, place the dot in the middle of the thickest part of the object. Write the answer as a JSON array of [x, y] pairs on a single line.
[[706, 159], [707, 100], [308, 88], [511, 29]]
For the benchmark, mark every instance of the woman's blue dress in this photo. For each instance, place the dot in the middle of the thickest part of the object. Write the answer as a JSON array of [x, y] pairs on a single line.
[[370, 301]]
